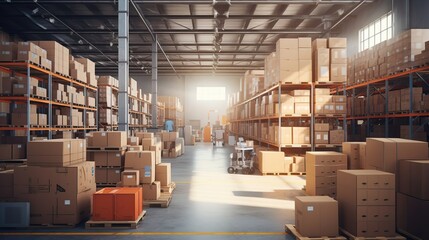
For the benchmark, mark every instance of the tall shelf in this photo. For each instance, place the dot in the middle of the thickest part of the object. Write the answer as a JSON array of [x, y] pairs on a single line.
[[160, 114], [108, 107], [41, 120], [140, 117], [248, 122], [377, 111]]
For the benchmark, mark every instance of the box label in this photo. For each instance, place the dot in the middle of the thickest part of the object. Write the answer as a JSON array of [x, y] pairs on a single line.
[[66, 202], [310, 208], [147, 171]]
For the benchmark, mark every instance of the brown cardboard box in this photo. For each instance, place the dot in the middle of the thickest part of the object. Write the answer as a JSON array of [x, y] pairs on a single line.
[[152, 191], [54, 152], [100, 159], [337, 42], [57, 195], [287, 43], [143, 161], [413, 178], [412, 215], [19, 151], [321, 127], [301, 135], [113, 175], [133, 141], [5, 151], [338, 55], [130, 178], [321, 71], [338, 72], [305, 70], [115, 159], [271, 161], [163, 173], [101, 175], [304, 42], [319, 43], [336, 136], [339, 98], [148, 142], [366, 188], [321, 137], [352, 150], [172, 136], [340, 108], [302, 108], [135, 148], [362, 155], [6, 185], [99, 139], [285, 134], [116, 139], [316, 216], [288, 161]]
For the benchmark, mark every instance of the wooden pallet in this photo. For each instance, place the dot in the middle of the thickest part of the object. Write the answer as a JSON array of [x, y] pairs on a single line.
[[106, 148], [168, 189], [289, 228], [49, 225], [352, 237], [163, 201], [284, 174], [115, 224]]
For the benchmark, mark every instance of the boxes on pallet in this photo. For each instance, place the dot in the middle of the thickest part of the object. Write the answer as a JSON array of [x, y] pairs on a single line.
[[301, 135], [109, 175], [352, 150], [163, 173], [412, 216], [144, 161], [316, 216], [336, 136], [117, 204], [271, 162], [57, 195], [57, 152], [152, 191], [413, 178]]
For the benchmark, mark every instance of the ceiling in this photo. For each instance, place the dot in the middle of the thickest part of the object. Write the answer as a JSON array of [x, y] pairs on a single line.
[[186, 30]]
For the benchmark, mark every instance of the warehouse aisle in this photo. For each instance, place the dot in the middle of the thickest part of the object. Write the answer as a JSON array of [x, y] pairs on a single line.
[[209, 203]]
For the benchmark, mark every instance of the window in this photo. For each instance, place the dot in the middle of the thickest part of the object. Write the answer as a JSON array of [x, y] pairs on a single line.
[[375, 32], [211, 94]]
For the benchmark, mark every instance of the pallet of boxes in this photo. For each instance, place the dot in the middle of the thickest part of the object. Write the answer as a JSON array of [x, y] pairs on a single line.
[[107, 150], [173, 146], [54, 189]]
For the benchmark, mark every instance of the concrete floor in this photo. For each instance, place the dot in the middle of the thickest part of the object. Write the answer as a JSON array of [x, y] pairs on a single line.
[[208, 203]]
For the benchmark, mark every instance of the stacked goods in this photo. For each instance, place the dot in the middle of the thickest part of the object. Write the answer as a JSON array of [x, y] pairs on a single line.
[[150, 143], [418, 132], [316, 216], [189, 137], [118, 204], [12, 151], [366, 201], [6, 185], [107, 100], [71, 117], [413, 198], [330, 60], [132, 88], [172, 146], [423, 57], [58, 55], [291, 63], [276, 162], [58, 182], [27, 51], [325, 103], [322, 168], [88, 71], [253, 82], [173, 109], [77, 70], [396, 54], [8, 51], [384, 153], [144, 163], [355, 154], [107, 150], [17, 85], [20, 111]]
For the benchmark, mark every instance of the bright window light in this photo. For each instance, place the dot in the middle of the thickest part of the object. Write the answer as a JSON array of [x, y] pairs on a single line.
[[211, 94], [376, 32]]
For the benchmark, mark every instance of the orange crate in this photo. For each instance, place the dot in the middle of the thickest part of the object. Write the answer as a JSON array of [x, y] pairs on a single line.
[[117, 204]]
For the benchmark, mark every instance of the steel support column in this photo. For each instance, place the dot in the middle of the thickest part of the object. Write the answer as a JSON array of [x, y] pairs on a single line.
[[155, 82], [123, 64]]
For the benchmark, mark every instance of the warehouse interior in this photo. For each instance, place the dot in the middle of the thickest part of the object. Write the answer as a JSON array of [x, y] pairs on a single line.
[[224, 119]]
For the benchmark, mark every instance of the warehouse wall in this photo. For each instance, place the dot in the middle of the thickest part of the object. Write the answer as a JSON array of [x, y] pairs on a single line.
[[185, 89]]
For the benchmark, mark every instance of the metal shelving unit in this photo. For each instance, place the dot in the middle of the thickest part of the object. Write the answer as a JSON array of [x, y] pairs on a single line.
[[29, 70], [417, 77]]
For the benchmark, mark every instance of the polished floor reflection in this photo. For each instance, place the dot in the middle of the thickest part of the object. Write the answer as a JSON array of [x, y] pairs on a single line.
[[208, 203]]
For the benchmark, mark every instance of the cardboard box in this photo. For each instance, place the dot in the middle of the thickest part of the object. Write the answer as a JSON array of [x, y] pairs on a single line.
[[6, 185], [143, 161], [130, 178], [370, 191], [316, 216], [337, 42], [304, 42], [113, 175], [152, 191], [362, 155], [133, 141], [301, 135], [321, 127], [172, 136], [99, 139], [5, 151], [319, 43], [321, 71], [117, 204], [19, 151], [336, 136], [338, 56], [57, 195], [302, 108], [383, 153], [413, 178], [352, 150], [321, 137], [100, 159], [271, 161], [116, 139], [412, 215], [283, 43], [115, 159], [338, 72], [163, 173]]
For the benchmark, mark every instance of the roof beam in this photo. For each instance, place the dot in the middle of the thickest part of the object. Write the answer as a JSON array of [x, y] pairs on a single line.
[[181, 31], [193, 1], [179, 52]]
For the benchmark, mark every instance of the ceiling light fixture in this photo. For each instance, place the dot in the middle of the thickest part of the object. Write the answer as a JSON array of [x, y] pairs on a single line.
[[51, 20], [80, 41], [36, 10]]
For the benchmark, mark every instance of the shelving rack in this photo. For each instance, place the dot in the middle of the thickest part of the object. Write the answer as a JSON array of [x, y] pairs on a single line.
[[113, 126], [143, 116], [416, 77], [238, 122], [30, 70], [160, 114]]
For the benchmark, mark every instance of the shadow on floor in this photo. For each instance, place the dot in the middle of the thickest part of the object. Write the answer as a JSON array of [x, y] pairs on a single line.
[[284, 194]]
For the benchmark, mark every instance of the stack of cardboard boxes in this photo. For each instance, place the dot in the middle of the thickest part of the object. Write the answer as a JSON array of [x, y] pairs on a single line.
[[355, 152], [329, 104], [252, 82], [150, 143], [12, 151], [27, 51], [58, 182], [276, 162], [58, 55], [330, 60], [108, 154], [172, 146], [88, 71], [173, 109], [37, 117], [107, 100], [413, 198], [367, 202], [322, 168]]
